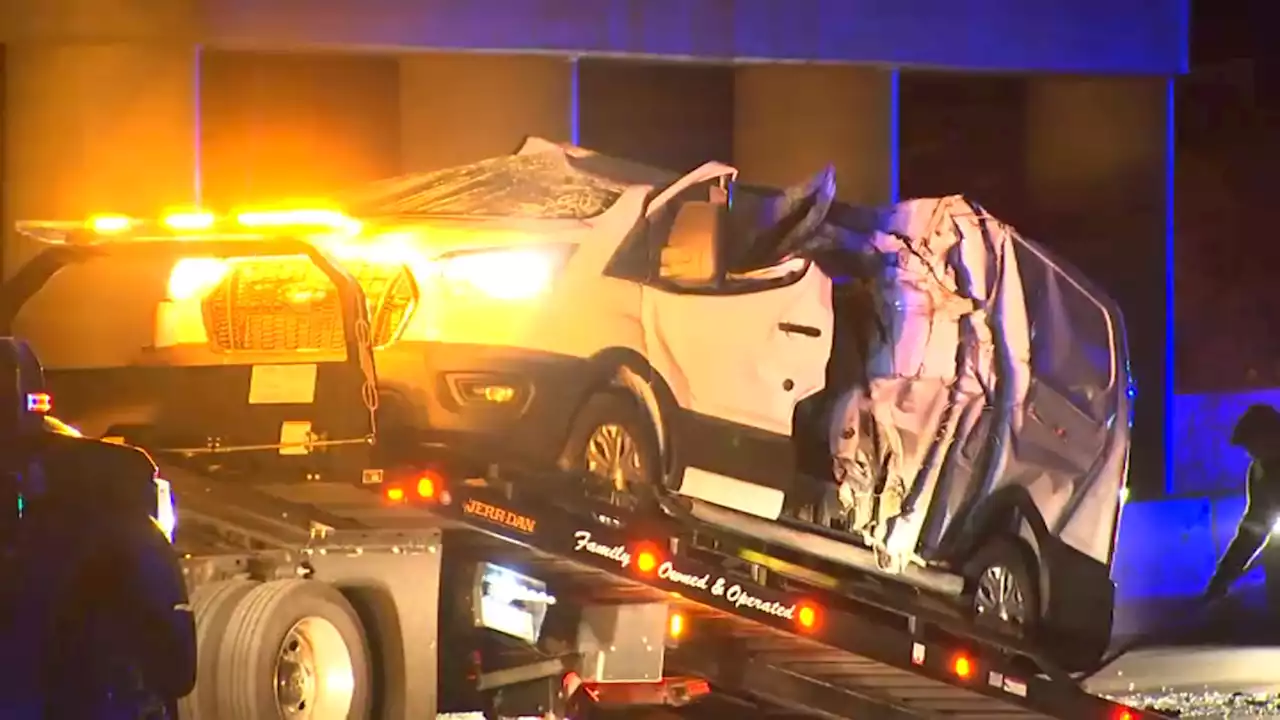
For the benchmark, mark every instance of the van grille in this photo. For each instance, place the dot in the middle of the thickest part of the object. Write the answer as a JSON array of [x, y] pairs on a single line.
[[288, 304]]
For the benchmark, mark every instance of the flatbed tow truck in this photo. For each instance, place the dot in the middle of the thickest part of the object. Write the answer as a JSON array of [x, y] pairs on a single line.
[[367, 590]]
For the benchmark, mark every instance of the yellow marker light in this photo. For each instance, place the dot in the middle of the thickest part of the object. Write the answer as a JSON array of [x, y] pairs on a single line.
[[193, 277], [194, 220], [503, 274], [675, 626], [498, 394], [331, 219], [108, 224]]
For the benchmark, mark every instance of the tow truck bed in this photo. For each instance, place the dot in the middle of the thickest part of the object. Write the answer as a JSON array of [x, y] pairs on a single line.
[[794, 649], [790, 649]]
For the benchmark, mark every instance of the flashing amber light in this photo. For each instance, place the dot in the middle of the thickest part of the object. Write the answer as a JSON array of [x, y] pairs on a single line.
[[962, 666], [39, 402], [331, 219], [109, 224], [194, 220], [395, 494], [646, 561], [1125, 714], [807, 617], [675, 626], [193, 277]]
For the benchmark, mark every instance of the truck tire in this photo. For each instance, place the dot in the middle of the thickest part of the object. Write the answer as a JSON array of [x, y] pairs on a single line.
[[294, 644], [611, 427], [212, 605]]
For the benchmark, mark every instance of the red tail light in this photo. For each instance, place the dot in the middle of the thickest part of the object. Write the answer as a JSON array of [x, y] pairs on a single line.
[[425, 487], [647, 559], [807, 616]]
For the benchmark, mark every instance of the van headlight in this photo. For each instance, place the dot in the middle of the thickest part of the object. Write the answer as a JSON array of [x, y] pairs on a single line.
[[166, 517], [519, 273]]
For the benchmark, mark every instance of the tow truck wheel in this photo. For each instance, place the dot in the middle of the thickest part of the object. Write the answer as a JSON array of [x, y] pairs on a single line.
[[613, 442], [1002, 588], [294, 649], [212, 605]]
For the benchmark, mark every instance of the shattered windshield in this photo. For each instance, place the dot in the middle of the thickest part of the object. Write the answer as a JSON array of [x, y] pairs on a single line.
[[545, 185]]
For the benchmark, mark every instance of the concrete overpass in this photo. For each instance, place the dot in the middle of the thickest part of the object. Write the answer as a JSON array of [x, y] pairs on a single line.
[[104, 98]]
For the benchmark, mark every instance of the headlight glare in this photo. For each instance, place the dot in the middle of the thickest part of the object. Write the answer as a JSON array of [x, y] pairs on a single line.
[[506, 274]]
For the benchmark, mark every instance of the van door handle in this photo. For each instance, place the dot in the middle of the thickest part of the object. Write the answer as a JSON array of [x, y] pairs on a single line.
[[806, 330]]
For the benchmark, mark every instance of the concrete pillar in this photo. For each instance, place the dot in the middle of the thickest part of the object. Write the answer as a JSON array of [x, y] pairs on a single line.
[[669, 115], [458, 108], [100, 116], [287, 125], [1099, 162], [791, 120]]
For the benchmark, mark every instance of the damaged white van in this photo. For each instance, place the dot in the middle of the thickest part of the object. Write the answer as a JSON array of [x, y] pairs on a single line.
[[915, 390]]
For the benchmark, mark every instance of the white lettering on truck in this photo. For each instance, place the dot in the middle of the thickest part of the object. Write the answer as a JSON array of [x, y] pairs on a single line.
[[582, 542]]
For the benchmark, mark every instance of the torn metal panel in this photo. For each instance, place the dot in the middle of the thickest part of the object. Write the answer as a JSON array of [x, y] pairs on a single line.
[[984, 343]]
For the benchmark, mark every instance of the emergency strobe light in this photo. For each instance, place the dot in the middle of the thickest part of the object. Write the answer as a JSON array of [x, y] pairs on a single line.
[[38, 402], [509, 602]]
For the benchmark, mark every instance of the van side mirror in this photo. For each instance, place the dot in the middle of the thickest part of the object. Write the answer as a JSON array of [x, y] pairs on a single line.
[[692, 254], [24, 399]]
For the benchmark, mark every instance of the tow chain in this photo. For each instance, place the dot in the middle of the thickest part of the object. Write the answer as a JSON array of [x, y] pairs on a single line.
[[369, 385]]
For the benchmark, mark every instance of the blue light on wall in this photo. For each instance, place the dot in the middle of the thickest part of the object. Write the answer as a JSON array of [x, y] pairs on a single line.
[[1170, 298], [1167, 548], [1203, 461], [895, 135], [574, 112]]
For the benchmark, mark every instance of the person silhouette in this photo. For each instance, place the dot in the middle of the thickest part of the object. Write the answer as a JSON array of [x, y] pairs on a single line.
[[1257, 432]]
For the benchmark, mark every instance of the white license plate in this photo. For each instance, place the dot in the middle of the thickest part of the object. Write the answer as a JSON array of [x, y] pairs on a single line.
[[293, 384]]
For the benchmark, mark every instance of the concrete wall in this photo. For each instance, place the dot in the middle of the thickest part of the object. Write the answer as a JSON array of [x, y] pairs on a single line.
[[133, 123], [295, 125]]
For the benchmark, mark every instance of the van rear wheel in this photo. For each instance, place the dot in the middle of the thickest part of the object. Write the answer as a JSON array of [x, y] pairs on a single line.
[[1002, 587], [614, 445]]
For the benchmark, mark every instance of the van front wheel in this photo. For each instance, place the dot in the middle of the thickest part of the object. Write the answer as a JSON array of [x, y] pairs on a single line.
[[613, 444]]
